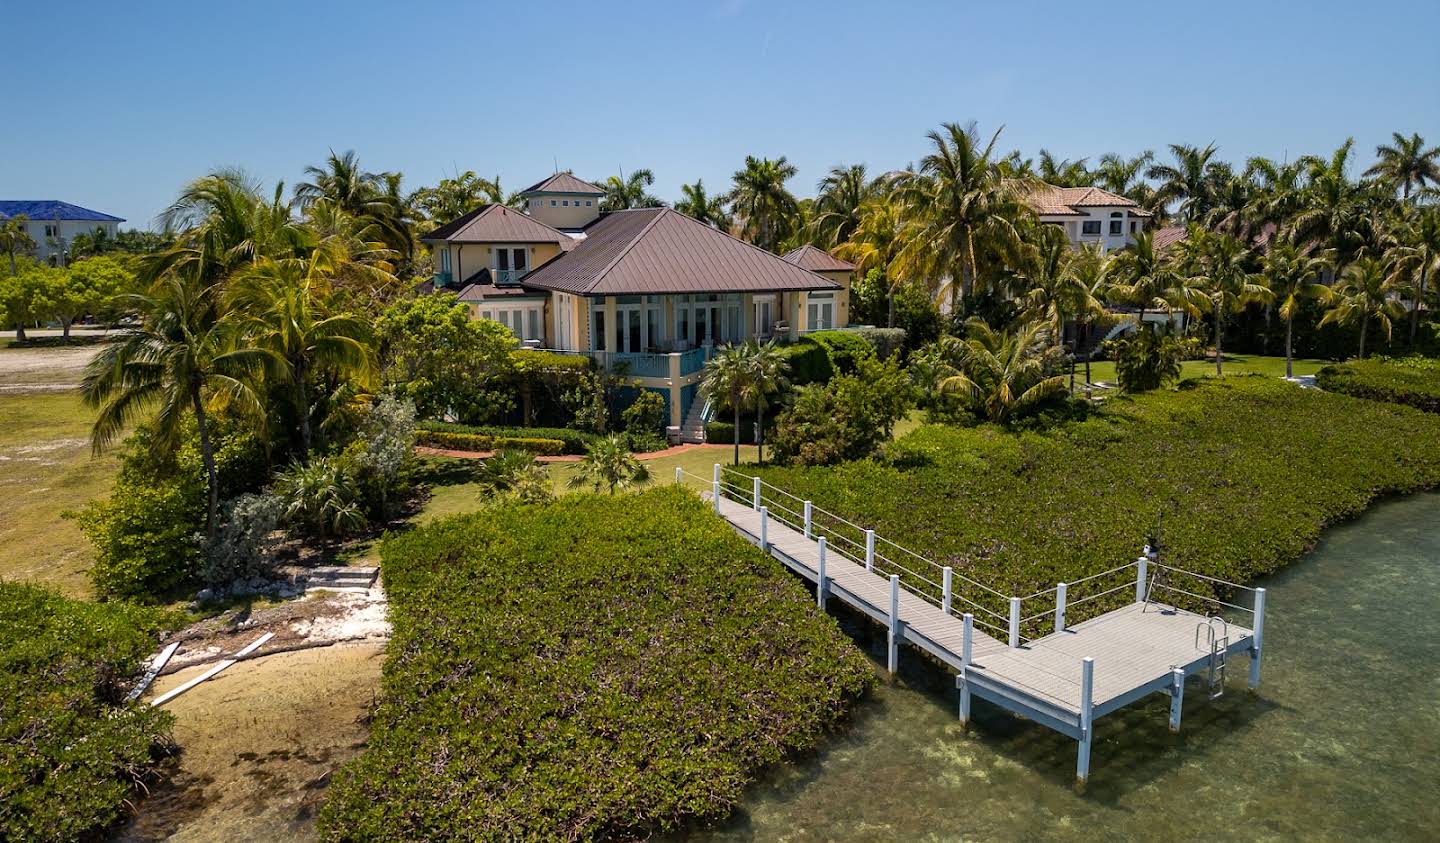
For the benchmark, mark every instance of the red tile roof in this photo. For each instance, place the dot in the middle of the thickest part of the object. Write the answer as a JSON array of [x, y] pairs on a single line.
[[564, 183], [498, 224], [659, 250], [1066, 201], [1166, 237], [817, 260]]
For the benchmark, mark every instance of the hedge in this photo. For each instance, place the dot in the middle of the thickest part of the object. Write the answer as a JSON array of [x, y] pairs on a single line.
[[808, 361], [1244, 472], [71, 753], [1414, 381], [718, 432], [845, 348], [575, 441], [481, 442], [885, 341], [599, 667]]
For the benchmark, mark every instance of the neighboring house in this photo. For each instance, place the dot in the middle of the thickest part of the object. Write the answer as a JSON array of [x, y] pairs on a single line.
[[1090, 215], [53, 224], [649, 288], [824, 310]]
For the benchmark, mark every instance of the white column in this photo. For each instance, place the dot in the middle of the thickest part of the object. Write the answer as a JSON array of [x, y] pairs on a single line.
[[715, 487], [756, 484], [679, 475], [1257, 638], [945, 583], [1060, 607], [820, 579], [893, 660], [1014, 621], [765, 528], [1087, 693], [1177, 697], [869, 550], [1142, 567], [962, 681], [809, 507]]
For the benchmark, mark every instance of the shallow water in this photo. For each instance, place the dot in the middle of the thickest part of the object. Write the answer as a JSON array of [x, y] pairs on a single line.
[[1342, 741]]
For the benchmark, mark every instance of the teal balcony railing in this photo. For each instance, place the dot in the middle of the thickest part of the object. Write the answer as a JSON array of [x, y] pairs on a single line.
[[441, 279]]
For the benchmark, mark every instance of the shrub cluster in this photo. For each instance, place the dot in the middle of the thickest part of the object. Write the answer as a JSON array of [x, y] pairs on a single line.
[[71, 753], [575, 441], [807, 362], [600, 667], [848, 418], [845, 348], [885, 341], [719, 432], [1414, 381], [485, 442], [1244, 472]]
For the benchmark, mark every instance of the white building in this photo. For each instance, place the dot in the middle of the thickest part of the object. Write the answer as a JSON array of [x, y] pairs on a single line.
[[1090, 215], [53, 224]]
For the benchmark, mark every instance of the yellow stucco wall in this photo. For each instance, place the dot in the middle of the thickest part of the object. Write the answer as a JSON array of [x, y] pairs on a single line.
[[576, 215], [466, 259]]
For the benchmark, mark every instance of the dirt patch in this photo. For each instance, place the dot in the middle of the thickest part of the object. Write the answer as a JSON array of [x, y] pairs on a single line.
[[36, 366], [259, 744]]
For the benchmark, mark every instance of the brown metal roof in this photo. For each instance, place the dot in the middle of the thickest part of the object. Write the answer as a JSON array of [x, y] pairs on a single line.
[[817, 260], [660, 250], [564, 183], [497, 224], [482, 286]]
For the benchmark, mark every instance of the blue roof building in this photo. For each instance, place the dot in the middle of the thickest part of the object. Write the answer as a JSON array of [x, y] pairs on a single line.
[[52, 224]]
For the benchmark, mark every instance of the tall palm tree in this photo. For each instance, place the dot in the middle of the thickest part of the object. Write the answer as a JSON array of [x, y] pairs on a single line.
[[1332, 213], [15, 239], [1121, 175], [768, 369], [1190, 181], [1365, 291], [1406, 163], [768, 212], [1092, 270], [1000, 375], [699, 205], [965, 210], [1141, 276], [1064, 172], [285, 308], [225, 223], [727, 379], [1416, 256], [342, 181], [875, 243], [622, 192], [1229, 285], [186, 357], [609, 465], [839, 203], [1054, 295], [453, 198], [1293, 276]]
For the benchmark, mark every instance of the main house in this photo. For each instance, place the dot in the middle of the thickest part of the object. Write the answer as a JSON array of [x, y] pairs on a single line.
[[52, 224], [649, 288], [1090, 215]]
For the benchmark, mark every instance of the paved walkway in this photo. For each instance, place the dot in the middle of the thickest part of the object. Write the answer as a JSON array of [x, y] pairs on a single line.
[[425, 450]]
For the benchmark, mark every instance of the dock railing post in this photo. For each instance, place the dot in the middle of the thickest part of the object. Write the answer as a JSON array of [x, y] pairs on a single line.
[[1087, 723], [893, 660], [679, 475], [715, 487], [1177, 697], [765, 528], [1257, 638], [1014, 621], [809, 510], [1060, 607], [1142, 566], [869, 551], [962, 681], [757, 494], [820, 579], [946, 583]]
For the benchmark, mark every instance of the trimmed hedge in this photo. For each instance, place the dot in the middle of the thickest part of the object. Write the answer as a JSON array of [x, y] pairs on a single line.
[[1413, 381], [885, 341], [599, 667], [846, 348], [575, 441], [481, 442], [71, 754], [719, 432], [808, 361], [1245, 473]]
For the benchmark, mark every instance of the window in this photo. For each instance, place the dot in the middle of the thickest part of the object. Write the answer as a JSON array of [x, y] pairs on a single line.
[[552, 203], [587, 203], [565, 202], [1090, 228], [52, 231], [820, 312], [1133, 225], [1117, 227]]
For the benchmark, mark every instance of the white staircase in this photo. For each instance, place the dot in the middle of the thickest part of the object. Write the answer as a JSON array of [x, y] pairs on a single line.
[[693, 430]]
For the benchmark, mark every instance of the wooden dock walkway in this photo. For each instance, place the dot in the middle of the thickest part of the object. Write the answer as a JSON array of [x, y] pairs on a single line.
[[1063, 679]]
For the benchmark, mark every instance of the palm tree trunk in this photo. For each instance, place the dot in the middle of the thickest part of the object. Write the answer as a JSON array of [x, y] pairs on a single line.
[[736, 401], [1415, 311], [1364, 326], [1219, 342], [890, 319], [20, 331], [207, 457], [13, 270], [302, 395], [1289, 335], [760, 430]]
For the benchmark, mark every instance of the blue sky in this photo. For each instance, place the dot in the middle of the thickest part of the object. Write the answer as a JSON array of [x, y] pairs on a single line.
[[114, 106]]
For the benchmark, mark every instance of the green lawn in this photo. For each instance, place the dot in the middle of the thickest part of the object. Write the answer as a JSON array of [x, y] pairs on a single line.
[[1234, 364]]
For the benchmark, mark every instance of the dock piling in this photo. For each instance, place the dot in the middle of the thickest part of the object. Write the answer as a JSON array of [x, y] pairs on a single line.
[[869, 550], [893, 660], [715, 487], [1087, 731], [966, 649], [1257, 640], [1014, 621], [765, 528], [1060, 607], [1177, 697], [1142, 566], [756, 503], [809, 511], [820, 580], [947, 577]]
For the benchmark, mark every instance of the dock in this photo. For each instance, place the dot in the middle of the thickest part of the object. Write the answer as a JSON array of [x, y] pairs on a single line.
[[1064, 666]]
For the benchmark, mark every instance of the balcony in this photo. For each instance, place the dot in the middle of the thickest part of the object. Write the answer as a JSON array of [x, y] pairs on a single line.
[[441, 279], [647, 365], [505, 277]]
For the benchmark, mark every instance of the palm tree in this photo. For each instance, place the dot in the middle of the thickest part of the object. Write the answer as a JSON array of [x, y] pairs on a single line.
[[455, 197], [839, 204], [767, 211], [516, 474], [609, 465], [285, 307], [768, 368], [1365, 291], [875, 243], [1091, 269], [622, 193], [1142, 275], [186, 357], [1228, 284], [15, 239], [1292, 276], [321, 495], [1189, 181], [1054, 295], [225, 223], [1332, 208], [965, 211], [1000, 375], [1416, 254], [340, 180], [1121, 175], [1406, 163], [1064, 172], [700, 206], [727, 379]]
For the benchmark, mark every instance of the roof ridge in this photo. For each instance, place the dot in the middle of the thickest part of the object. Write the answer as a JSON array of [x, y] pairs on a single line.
[[765, 252], [600, 276]]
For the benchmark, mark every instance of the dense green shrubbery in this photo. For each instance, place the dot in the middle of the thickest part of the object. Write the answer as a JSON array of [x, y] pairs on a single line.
[[595, 668], [575, 441], [846, 419], [719, 432], [1245, 472], [1146, 360], [807, 362], [885, 341], [1414, 381], [846, 349], [71, 754], [483, 442]]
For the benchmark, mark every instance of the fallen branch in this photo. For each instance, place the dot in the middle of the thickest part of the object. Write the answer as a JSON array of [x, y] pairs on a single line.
[[177, 691]]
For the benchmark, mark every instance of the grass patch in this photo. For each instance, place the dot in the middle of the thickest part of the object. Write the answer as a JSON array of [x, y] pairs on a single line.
[[1244, 471], [1413, 381], [71, 754], [598, 667], [1234, 364]]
